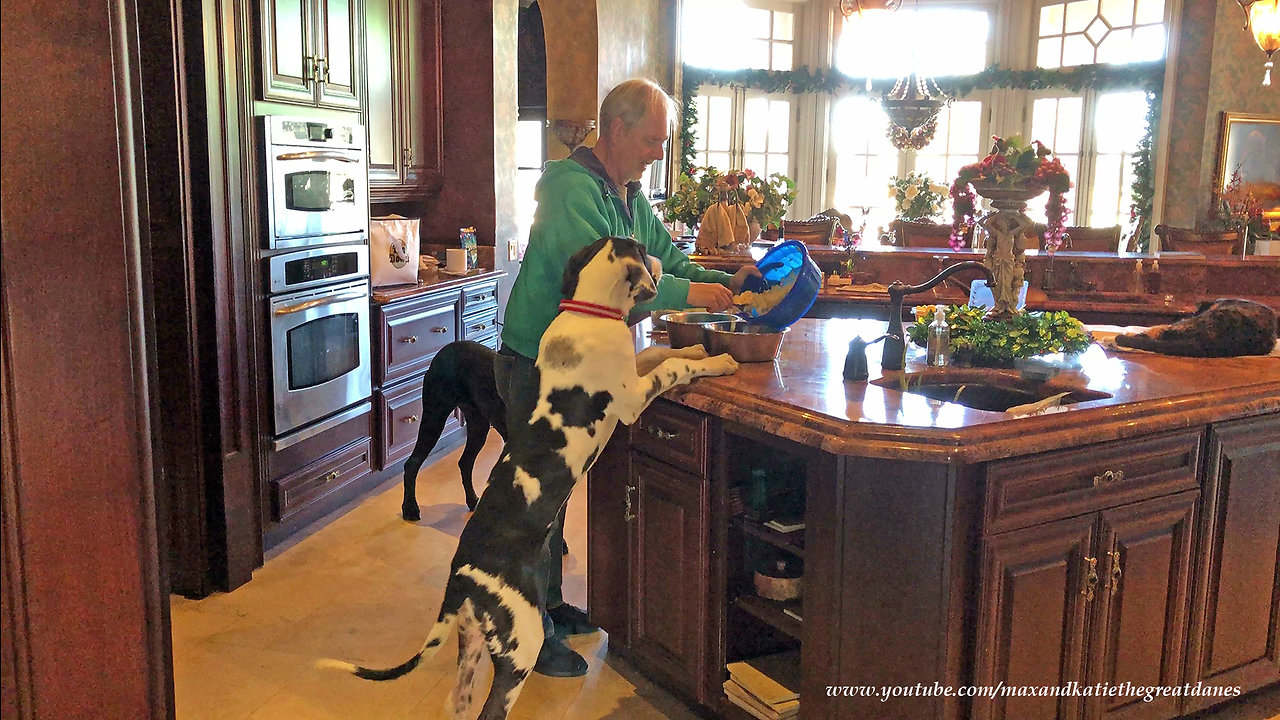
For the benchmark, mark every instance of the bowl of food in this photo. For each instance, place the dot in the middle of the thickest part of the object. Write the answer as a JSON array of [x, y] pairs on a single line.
[[686, 328], [789, 285], [746, 341]]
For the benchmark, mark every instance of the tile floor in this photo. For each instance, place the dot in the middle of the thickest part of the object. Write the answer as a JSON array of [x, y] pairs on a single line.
[[365, 587]]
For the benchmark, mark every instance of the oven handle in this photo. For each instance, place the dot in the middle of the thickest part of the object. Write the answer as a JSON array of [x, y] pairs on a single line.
[[299, 307], [318, 155]]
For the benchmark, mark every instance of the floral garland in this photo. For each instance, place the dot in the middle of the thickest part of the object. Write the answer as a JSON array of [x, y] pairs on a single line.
[[1013, 164]]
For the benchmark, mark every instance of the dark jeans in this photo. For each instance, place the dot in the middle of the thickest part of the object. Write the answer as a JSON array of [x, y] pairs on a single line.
[[508, 368]]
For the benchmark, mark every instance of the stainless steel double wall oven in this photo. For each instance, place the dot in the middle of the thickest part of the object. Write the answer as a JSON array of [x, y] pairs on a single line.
[[316, 209]]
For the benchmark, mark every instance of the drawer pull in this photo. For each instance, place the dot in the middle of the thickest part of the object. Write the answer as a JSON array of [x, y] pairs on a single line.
[[1090, 579], [660, 433], [331, 476], [480, 298], [478, 328], [439, 330], [411, 419], [626, 511], [1114, 583], [1108, 477], [410, 340]]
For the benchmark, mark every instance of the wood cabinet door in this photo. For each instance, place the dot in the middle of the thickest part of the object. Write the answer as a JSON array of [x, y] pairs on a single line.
[[1235, 618], [382, 30], [1032, 618], [611, 508], [339, 33], [423, 138], [287, 53], [1141, 613], [669, 573]]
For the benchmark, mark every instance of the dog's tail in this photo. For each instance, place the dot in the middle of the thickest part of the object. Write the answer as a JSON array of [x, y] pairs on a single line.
[[429, 648]]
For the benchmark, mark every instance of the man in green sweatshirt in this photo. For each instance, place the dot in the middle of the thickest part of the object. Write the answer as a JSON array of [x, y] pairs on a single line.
[[594, 193]]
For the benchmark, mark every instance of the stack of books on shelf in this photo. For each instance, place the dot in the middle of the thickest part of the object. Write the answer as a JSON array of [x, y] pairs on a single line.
[[767, 687]]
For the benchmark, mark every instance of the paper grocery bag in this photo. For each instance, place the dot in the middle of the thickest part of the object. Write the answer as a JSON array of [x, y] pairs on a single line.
[[393, 250]]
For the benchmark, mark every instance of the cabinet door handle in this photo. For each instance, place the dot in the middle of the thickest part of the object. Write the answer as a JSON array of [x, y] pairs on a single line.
[[1113, 584], [407, 157], [626, 512], [661, 434], [322, 70], [411, 419], [439, 330], [409, 340], [1108, 477], [1090, 579]]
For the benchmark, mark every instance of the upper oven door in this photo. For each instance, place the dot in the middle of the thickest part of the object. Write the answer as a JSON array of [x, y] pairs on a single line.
[[319, 353], [316, 196]]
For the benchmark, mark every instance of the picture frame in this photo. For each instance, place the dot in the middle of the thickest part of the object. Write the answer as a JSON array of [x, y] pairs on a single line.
[[1250, 143]]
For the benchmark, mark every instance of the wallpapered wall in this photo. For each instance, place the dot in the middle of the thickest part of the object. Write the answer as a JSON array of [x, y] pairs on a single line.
[[637, 39], [1219, 68]]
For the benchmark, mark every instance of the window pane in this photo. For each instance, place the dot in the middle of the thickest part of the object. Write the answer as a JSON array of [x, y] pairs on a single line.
[[755, 129], [932, 41], [754, 161], [755, 53], [1119, 13], [718, 124], [783, 26], [1057, 123], [718, 160], [1106, 190], [1051, 20], [781, 56], [1049, 52], [864, 160], [1148, 43], [779, 125], [755, 22], [1077, 50], [529, 134], [1079, 14], [1105, 31], [1121, 121], [708, 27], [1149, 11], [777, 163]]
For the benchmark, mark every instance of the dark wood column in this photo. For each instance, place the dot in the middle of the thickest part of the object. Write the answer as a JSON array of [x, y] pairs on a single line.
[[85, 626]]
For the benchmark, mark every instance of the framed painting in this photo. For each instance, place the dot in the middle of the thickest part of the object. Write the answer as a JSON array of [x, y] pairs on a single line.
[[1251, 146]]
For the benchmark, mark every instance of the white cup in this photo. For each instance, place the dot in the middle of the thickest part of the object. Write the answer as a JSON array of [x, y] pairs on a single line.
[[456, 260]]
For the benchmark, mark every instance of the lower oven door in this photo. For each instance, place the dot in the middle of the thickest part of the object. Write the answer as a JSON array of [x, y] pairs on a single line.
[[319, 353]]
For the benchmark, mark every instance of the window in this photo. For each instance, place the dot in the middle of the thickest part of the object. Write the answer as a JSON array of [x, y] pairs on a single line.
[[1121, 120], [531, 152], [729, 35], [1057, 122], [931, 41], [1082, 32]]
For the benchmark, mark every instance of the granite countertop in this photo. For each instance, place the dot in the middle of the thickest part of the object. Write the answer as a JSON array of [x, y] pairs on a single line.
[[430, 281], [802, 396]]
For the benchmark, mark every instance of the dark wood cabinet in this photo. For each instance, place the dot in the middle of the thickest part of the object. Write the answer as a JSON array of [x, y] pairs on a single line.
[[1032, 614], [669, 562], [404, 109], [1235, 626], [411, 332], [312, 53]]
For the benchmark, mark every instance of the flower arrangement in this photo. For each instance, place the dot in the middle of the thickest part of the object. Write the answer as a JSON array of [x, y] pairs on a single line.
[[917, 198], [980, 341], [1013, 164], [766, 199], [1235, 208]]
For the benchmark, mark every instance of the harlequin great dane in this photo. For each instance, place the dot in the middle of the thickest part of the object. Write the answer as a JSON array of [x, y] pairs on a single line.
[[561, 413]]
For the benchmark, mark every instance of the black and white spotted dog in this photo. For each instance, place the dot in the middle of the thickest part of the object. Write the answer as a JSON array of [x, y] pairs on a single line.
[[587, 379]]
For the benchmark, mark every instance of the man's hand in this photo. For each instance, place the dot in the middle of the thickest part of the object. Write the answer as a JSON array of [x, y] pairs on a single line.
[[744, 272], [712, 296]]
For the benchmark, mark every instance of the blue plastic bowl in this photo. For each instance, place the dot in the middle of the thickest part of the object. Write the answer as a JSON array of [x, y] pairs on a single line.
[[781, 260]]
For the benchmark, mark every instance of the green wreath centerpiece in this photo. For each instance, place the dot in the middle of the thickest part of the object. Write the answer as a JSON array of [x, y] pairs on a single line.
[[997, 343]]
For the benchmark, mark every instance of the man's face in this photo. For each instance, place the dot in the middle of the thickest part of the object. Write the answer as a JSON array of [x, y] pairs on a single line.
[[642, 144]]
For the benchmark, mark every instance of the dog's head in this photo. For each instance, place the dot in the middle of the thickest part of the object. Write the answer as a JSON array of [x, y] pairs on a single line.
[[615, 267]]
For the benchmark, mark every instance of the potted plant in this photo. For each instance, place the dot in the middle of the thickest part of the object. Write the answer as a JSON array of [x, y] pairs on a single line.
[[977, 339], [765, 200], [1234, 211], [1012, 173]]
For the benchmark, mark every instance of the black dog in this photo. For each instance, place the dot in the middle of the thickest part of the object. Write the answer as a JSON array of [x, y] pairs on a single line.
[[460, 376]]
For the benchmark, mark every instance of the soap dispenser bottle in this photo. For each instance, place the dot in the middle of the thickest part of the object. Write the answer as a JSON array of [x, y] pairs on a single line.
[[938, 347]]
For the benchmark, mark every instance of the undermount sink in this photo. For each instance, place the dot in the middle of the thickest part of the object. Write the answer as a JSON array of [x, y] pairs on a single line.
[[983, 389]]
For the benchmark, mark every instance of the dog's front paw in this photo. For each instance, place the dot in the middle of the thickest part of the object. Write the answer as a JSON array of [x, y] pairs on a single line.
[[692, 352], [722, 364]]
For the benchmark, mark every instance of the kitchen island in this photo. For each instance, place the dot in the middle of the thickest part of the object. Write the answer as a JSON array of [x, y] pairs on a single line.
[[1130, 538]]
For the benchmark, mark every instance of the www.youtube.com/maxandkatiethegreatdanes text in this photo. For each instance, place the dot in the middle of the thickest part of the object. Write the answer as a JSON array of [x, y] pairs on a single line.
[[1147, 693]]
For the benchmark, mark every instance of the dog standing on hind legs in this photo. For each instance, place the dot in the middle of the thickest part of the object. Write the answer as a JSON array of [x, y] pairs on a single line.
[[460, 376], [563, 410]]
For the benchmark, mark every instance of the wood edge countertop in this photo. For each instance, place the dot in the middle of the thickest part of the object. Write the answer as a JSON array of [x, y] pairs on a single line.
[[802, 396], [430, 281]]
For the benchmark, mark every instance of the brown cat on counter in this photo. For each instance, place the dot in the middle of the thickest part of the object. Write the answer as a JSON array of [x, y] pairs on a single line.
[[1224, 328]]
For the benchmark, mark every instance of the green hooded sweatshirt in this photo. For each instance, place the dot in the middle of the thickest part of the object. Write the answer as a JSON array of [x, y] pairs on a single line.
[[576, 207]]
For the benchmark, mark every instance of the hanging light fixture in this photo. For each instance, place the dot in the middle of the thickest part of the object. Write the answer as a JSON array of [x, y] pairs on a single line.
[[849, 7], [1262, 18], [913, 106]]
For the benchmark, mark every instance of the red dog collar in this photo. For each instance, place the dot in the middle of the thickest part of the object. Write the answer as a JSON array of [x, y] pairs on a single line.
[[586, 308]]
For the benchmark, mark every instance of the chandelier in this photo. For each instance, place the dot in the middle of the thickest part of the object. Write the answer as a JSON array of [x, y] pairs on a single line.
[[1262, 18], [913, 106], [849, 7]]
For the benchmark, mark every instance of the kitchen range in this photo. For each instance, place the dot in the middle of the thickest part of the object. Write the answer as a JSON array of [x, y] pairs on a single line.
[[316, 217]]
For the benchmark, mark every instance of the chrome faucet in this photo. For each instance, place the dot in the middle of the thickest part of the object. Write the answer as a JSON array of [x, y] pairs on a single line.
[[895, 346]]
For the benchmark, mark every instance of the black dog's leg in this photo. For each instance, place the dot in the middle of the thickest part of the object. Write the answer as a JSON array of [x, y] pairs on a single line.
[[435, 412], [477, 433]]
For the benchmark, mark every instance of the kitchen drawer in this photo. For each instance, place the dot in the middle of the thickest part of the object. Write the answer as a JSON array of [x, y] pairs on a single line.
[[673, 434], [295, 491], [411, 334], [475, 327], [1026, 491], [399, 409], [480, 297]]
